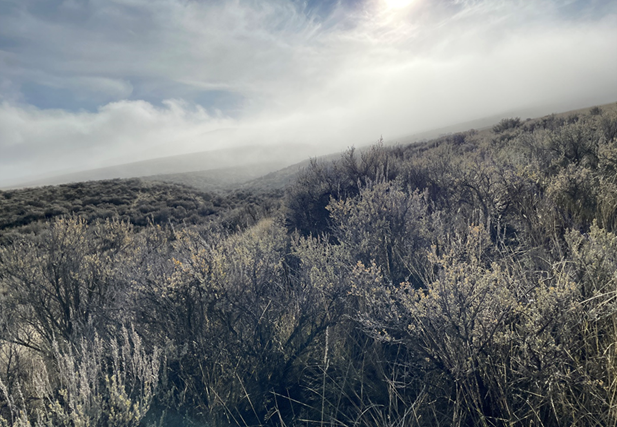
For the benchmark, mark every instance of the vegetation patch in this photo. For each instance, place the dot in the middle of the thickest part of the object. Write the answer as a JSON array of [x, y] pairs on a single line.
[[465, 281]]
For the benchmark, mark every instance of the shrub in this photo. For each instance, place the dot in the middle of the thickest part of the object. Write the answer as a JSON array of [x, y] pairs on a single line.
[[385, 225], [69, 282], [506, 124], [98, 384], [495, 341]]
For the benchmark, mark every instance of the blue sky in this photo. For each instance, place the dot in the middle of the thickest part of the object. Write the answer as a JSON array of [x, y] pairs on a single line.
[[88, 83]]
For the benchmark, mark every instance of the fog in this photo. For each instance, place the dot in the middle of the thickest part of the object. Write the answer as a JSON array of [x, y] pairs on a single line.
[[86, 84]]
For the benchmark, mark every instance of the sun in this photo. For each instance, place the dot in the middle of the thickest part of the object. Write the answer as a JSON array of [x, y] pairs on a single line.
[[397, 4]]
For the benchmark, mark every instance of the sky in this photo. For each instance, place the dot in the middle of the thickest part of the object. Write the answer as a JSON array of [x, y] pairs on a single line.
[[92, 83]]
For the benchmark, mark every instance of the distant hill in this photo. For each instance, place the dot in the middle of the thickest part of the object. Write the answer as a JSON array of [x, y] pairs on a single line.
[[264, 158], [217, 170], [258, 178], [220, 180], [254, 168], [281, 179]]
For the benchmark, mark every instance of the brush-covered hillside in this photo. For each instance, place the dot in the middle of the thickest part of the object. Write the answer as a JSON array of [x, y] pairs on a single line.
[[465, 281], [135, 201]]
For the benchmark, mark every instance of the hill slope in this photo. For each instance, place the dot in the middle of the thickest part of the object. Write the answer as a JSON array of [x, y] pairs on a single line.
[[137, 201], [466, 281]]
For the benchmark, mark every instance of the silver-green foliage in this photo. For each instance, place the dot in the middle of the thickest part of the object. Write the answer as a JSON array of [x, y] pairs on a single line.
[[96, 384]]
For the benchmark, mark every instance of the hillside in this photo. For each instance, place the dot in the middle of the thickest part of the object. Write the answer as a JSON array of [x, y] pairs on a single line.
[[467, 280], [265, 176], [137, 201]]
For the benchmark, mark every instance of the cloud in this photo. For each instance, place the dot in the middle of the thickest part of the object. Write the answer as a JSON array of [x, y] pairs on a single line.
[[35, 141], [90, 82]]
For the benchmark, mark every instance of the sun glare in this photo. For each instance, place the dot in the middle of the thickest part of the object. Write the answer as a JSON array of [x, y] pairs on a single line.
[[397, 4]]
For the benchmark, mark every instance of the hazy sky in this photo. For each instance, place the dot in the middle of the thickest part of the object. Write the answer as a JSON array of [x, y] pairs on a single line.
[[86, 83]]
